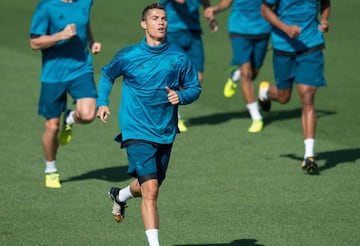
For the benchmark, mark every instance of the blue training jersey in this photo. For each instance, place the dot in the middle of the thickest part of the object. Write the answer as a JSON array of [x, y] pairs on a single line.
[[182, 16], [245, 18], [145, 111], [68, 59], [303, 14]]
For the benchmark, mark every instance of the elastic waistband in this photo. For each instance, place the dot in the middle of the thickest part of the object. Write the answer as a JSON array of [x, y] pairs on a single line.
[[298, 53]]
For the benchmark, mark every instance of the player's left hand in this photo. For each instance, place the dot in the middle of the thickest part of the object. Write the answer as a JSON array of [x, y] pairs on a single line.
[[324, 25], [96, 47], [103, 113], [172, 96]]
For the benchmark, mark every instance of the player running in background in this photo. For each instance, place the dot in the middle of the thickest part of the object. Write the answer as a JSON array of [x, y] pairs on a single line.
[[184, 29], [298, 41], [61, 30], [157, 77], [249, 36]]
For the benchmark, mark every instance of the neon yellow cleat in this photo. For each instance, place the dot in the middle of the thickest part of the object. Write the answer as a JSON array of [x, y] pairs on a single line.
[[181, 125], [232, 82], [256, 126], [264, 85], [52, 180], [65, 134], [230, 88]]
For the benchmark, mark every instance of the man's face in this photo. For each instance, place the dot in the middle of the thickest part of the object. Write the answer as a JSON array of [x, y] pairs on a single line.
[[155, 24]]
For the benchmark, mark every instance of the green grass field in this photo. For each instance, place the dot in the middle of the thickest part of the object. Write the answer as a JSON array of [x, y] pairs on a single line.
[[224, 185]]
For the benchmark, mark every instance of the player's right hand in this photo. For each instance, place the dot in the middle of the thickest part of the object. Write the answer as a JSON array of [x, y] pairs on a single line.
[[69, 31], [209, 13], [293, 31]]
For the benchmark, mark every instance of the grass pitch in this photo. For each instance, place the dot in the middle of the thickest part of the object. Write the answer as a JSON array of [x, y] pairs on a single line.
[[224, 185]]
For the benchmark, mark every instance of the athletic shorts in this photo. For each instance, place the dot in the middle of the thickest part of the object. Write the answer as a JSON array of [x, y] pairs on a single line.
[[147, 160], [307, 68], [53, 96], [248, 50], [192, 44]]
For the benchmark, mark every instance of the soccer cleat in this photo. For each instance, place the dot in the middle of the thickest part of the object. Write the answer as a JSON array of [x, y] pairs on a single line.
[[181, 125], [66, 131], [232, 82], [52, 180], [256, 126], [265, 104], [230, 88], [118, 209], [309, 165]]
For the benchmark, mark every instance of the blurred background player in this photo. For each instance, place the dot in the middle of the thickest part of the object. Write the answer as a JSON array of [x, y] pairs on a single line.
[[184, 29], [61, 30], [157, 77], [249, 36], [298, 41]]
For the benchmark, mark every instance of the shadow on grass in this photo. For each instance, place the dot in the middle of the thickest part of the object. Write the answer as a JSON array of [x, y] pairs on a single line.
[[240, 242], [218, 118], [111, 174], [292, 114], [332, 158]]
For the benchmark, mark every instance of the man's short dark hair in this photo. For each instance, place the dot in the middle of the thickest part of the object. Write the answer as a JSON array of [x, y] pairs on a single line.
[[149, 7]]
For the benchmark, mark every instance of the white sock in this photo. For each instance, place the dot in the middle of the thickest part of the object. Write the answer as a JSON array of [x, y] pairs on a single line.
[[153, 237], [70, 118], [50, 167], [125, 194], [236, 76], [263, 93], [254, 111], [309, 147]]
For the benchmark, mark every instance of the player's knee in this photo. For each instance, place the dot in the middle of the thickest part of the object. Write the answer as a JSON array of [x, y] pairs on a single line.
[[150, 190], [52, 126], [284, 99], [150, 196], [86, 117], [246, 75], [283, 96]]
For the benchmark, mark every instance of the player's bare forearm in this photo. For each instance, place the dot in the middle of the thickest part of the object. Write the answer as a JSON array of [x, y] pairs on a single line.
[[325, 8], [46, 41], [291, 30], [325, 15]]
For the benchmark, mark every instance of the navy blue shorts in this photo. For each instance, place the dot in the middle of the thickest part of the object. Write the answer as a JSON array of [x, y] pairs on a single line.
[[147, 160], [192, 44], [53, 96], [305, 69]]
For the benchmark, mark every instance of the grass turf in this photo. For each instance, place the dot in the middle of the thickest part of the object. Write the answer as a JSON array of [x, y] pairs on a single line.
[[224, 185]]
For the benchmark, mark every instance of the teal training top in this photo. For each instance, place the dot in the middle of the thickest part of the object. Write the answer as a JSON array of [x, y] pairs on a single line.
[[245, 18], [145, 111], [68, 59], [182, 16], [301, 13]]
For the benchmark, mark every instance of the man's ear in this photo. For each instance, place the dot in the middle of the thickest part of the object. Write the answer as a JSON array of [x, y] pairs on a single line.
[[143, 25]]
